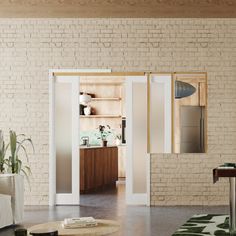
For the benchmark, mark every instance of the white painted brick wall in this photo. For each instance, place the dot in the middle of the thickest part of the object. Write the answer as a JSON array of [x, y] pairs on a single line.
[[30, 47]]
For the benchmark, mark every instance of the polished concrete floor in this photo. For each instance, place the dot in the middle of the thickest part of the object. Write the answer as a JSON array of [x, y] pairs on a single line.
[[134, 220]]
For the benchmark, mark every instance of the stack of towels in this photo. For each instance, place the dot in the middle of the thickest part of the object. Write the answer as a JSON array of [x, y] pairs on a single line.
[[71, 223], [227, 166]]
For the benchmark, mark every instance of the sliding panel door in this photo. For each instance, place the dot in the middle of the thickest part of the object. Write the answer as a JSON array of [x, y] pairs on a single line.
[[63, 134], [137, 157], [160, 113], [66, 139]]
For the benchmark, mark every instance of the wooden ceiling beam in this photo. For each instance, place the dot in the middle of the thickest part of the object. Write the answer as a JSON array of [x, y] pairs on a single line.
[[118, 8]]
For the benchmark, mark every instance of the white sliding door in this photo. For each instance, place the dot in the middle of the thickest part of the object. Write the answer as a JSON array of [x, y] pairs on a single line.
[[137, 156], [160, 113], [67, 139], [64, 155]]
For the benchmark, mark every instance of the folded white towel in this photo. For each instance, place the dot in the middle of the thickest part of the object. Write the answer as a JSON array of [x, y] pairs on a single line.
[[225, 167], [70, 223]]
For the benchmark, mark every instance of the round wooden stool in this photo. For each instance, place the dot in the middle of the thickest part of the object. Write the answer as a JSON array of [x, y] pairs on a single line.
[[104, 227]]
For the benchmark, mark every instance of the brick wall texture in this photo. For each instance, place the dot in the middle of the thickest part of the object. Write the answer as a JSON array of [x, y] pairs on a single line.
[[30, 47]]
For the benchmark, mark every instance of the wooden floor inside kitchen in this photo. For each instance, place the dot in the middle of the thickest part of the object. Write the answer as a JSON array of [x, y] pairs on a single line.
[[135, 220]]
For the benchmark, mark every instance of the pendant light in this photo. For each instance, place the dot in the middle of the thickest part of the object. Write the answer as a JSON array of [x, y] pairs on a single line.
[[183, 89]]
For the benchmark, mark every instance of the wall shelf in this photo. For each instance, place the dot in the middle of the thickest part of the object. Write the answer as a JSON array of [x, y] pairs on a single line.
[[106, 99], [101, 83], [107, 102], [101, 116]]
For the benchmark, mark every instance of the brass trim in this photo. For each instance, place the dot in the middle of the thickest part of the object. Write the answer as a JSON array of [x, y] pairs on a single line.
[[119, 73], [98, 73], [192, 72], [160, 73], [206, 117], [148, 113]]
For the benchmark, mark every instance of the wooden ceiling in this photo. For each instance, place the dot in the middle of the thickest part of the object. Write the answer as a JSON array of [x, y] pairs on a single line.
[[118, 8]]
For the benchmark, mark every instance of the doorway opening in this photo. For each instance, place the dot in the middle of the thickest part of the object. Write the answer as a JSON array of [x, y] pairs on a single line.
[[98, 136], [102, 137]]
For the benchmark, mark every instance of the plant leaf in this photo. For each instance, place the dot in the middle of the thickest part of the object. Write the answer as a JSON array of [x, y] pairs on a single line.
[[18, 165], [13, 142], [23, 147], [26, 176], [27, 140], [28, 169]]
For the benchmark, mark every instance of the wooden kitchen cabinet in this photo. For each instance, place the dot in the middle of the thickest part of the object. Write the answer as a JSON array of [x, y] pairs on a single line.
[[98, 168]]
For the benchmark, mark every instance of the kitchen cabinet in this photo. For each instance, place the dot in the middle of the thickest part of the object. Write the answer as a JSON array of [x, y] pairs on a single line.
[[98, 168], [122, 161]]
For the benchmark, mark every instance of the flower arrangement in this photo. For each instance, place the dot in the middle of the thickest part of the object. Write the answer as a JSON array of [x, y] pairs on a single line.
[[104, 132]]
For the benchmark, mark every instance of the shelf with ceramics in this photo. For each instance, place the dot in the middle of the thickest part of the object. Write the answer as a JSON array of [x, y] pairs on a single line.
[[99, 107], [106, 99], [100, 116]]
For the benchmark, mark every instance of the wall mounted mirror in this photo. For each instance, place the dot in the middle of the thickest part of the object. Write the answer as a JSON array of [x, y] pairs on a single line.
[[178, 113]]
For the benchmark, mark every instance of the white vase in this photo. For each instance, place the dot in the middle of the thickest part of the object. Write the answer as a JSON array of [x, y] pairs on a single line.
[[13, 185], [84, 99], [118, 142], [87, 110]]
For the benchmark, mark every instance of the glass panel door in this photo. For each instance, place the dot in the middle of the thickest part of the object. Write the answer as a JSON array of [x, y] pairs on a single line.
[[67, 139], [137, 156], [160, 113], [63, 137]]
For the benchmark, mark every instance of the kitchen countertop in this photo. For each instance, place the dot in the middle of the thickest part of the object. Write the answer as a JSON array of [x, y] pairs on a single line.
[[89, 147]]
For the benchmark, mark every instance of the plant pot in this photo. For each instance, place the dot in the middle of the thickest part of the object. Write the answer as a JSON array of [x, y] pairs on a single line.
[[87, 110], [81, 109], [13, 185], [118, 142], [104, 143]]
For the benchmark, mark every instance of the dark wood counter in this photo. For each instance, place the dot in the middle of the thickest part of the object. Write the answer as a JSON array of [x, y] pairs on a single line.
[[217, 173], [98, 168], [230, 173]]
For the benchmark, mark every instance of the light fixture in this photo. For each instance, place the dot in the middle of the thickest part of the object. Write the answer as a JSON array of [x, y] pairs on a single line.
[[183, 89]]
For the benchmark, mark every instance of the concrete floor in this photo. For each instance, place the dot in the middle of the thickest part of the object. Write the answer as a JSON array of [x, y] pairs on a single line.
[[135, 220]]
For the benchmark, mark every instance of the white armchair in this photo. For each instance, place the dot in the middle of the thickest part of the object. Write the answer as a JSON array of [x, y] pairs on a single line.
[[11, 199], [6, 217]]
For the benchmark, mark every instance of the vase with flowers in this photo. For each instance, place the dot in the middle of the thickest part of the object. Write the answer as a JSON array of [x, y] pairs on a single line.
[[118, 139], [104, 132]]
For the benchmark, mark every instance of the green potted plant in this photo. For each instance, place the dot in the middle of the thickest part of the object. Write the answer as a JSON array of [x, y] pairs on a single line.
[[16, 167], [17, 147], [3, 149], [104, 132]]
